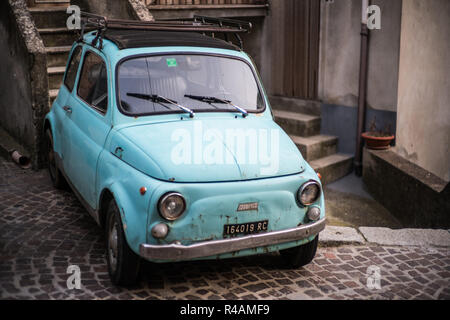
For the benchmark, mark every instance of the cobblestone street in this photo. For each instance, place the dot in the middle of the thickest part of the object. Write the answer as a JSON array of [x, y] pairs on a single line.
[[43, 231]]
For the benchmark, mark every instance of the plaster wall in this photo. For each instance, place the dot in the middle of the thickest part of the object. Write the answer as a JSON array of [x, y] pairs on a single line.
[[339, 62], [423, 115], [340, 50]]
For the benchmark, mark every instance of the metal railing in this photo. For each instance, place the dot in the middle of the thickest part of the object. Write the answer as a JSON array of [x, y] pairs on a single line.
[[203, 2]]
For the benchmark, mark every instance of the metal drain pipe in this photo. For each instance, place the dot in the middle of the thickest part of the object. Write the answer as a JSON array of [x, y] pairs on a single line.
[[363, 61], [21, 160]]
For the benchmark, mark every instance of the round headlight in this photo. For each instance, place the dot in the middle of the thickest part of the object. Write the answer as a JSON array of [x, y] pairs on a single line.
[[308, 193], [171, 206]]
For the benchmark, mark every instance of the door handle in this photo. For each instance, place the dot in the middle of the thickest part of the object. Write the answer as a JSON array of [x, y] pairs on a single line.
[[67, 109]]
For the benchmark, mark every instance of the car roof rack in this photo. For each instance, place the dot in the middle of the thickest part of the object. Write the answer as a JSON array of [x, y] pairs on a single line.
[[200, 24]]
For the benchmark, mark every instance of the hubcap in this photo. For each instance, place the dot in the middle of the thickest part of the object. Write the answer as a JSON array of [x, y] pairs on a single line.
[[112, 247]]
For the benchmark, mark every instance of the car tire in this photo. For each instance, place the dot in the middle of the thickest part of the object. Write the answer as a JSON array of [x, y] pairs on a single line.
[[123, 263], [55, 174], [302, 255]]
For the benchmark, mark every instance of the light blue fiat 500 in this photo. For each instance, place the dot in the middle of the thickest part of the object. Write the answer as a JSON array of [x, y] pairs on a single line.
[[166, 136]]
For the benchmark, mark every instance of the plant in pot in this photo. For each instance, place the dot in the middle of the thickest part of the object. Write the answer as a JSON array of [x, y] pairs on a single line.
[[378, 139]]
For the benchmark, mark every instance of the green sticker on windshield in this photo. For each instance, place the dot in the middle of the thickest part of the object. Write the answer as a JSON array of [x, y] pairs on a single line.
[[171, 62]]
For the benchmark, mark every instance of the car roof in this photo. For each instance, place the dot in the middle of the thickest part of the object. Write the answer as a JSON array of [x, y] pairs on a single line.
[[125, 39]]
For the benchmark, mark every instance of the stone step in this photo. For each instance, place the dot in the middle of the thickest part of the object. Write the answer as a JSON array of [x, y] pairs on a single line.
[[57, 56], [298, 124], [333, 167], [49, 17], [50, 3], [316, 147], [55, 76], [53, 93], [57, 36], [295, 105]]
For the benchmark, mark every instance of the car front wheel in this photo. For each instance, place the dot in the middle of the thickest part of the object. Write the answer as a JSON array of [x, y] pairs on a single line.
[[123, 263], [302, 255]]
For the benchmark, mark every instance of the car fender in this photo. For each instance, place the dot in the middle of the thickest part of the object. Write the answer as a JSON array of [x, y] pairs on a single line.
[[124, 183]]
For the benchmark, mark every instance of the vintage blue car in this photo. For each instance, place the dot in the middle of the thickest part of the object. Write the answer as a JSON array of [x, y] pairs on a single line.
[[166, 136]]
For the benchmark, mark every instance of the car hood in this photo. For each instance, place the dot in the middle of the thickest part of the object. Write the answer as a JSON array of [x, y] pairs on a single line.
[[207, 150]]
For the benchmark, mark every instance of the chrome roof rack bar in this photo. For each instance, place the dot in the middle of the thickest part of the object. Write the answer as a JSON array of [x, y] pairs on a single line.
[[197, 24]]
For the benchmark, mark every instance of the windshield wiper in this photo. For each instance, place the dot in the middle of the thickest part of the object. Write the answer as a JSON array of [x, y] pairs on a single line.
[[217, 100], [159, 99]]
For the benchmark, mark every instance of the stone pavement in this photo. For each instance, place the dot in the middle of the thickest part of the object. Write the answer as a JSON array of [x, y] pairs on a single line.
[[43, 231]]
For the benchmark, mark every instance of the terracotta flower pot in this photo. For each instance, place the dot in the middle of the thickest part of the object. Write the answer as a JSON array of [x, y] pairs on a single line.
[[377, 142]]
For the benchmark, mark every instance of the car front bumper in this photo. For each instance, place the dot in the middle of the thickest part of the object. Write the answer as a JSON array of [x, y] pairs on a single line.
[[177, 252]]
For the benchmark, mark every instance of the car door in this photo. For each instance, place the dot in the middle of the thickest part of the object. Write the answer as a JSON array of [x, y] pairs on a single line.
[[89, 122], [60, 106]]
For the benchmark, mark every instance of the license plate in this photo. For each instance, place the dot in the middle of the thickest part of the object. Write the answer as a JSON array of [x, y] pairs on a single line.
[[245, 228]]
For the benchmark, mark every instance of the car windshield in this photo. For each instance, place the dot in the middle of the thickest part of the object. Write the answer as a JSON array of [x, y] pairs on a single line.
[[159, 84]]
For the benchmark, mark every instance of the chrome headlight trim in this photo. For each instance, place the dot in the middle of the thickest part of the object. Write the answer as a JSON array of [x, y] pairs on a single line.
[[164, 198], [302, 189]]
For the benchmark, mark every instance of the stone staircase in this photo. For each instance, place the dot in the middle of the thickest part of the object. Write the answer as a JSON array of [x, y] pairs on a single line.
[[50, 21], [301, 120]]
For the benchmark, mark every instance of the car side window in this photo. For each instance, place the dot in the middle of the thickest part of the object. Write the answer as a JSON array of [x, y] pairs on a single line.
[[72, 69], [93, 82]]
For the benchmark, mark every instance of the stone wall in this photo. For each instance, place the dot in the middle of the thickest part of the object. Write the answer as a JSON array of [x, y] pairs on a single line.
[[413, 195], [24, 91], [116, 9]]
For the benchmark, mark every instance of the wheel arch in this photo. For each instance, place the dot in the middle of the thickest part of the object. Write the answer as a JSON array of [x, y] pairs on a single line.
[[105, 197], [135, 232], [119, 181], [47, 125]]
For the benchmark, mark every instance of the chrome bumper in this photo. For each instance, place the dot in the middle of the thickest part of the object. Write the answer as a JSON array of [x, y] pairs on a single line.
[[176, 252]]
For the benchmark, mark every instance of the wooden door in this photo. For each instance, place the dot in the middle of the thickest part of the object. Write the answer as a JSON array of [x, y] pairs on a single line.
[[295, 39]]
